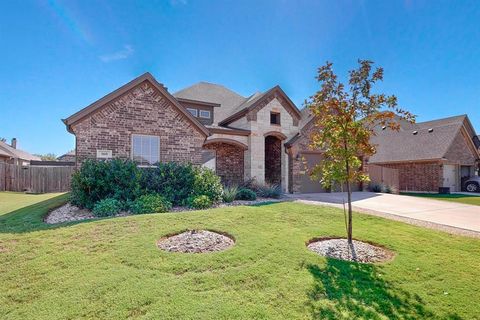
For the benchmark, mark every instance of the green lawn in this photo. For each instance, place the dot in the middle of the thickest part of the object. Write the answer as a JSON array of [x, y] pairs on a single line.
[[111, 268], [454, 197]]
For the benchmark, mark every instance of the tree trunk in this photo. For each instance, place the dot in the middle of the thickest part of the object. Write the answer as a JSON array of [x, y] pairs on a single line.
[[349, 224]]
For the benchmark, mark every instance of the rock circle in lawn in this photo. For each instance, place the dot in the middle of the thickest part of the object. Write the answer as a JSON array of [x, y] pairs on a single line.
[[196, 241], [338, 248]]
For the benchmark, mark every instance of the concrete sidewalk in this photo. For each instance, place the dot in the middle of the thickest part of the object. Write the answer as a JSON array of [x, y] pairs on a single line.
[[445, 213]]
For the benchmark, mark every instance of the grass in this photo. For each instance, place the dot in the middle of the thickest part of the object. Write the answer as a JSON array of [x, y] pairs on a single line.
[[111, 268], [454, 197]]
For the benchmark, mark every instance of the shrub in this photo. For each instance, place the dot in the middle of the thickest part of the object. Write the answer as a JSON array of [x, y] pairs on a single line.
[[199, 202], [269, 191], [246, 194], [107, 207], [150, 203], [229, 193], [173, 181], [98, 180], [375, 187], [389, 189], [207, 183]]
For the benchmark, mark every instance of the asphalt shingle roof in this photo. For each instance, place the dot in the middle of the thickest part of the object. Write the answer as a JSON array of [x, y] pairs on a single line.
[[431, 141], [214, 93], [17, 153]]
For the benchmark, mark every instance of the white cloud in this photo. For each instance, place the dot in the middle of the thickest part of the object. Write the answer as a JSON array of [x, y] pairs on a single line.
[[126, 52]]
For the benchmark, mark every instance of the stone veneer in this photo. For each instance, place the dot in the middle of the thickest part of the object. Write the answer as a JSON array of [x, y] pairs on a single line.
[[142, 110], [259, 125]]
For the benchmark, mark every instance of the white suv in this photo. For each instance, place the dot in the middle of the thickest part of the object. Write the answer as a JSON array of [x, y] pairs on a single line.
[[473, 184]]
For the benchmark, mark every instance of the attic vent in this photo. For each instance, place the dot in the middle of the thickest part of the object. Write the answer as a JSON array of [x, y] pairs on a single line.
[[430, 130], [415, 132], [384, 127]]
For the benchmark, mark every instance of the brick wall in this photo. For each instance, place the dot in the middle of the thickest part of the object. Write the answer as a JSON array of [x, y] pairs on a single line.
[[143, 110], [460, 152], [419, 176], [229, 162]]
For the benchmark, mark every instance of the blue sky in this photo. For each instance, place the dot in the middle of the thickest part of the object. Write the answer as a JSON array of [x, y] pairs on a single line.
[[59, 56]]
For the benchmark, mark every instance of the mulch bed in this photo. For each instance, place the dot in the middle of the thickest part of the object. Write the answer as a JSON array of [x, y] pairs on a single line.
[[338, 248], [196, 241]]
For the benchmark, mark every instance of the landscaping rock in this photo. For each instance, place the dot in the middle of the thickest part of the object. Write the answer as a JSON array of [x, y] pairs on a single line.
[[195, 241], [358, 252], [66, 213], [69, 212]]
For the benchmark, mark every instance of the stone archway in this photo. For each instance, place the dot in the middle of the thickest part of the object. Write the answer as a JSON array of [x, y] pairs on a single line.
[[273, 160]]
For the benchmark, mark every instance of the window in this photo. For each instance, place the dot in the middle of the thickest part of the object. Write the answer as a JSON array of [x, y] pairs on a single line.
[[145, 149], [274, 118], [205, 114], [194, 112]]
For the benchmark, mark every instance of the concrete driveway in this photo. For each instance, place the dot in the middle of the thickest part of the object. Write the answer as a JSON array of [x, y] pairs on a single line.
[[445, 213]]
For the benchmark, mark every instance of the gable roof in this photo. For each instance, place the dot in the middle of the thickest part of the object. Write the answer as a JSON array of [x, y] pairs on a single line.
[[6, 149], [210, 92], [431, 141], [217, 95], [124, 89], [251, 102]]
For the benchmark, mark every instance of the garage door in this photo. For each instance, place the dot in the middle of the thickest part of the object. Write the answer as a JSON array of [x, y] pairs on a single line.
[[307, 185]]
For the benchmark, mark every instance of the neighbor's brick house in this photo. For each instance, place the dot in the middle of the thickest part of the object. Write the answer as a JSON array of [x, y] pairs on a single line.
[[262, 136]]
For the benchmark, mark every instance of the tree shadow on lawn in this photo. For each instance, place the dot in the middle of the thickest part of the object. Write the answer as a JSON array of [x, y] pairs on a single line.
[[30, 218], [346, 290]]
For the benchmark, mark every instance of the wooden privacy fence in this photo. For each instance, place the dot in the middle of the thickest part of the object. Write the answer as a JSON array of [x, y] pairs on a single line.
[[35, 179], [385, 176]]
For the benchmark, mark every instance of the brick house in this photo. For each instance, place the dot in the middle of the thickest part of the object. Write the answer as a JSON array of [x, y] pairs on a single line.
[[262, 136], [429, 155], [9, 153]]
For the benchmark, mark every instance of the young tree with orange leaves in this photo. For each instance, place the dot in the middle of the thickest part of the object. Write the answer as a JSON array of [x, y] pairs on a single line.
[[345, 118]]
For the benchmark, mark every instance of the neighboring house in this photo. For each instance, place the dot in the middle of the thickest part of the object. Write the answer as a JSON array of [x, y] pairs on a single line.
[[429, 155], [67, 157], [262, 136], [10, 154]]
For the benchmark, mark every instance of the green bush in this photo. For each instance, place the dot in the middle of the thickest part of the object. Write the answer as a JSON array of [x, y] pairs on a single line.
[[229, 193], [98, 180], [150, 203], [107, 207], [173, 181], [207, 183], [199, 202], [246, 194]]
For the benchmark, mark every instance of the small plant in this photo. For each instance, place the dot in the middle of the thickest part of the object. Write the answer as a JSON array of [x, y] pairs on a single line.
[[229, 193], [269, 191], [199, 202], [389, 189], [150, 203], [107, 207], [246, 194], [375, 187]]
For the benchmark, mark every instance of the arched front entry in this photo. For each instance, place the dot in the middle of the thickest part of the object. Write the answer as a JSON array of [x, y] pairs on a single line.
[[273, 160]]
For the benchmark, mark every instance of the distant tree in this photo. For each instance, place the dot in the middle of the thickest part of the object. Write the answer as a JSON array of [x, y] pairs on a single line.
[[47, 157], [3, 139], [345, 118]]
